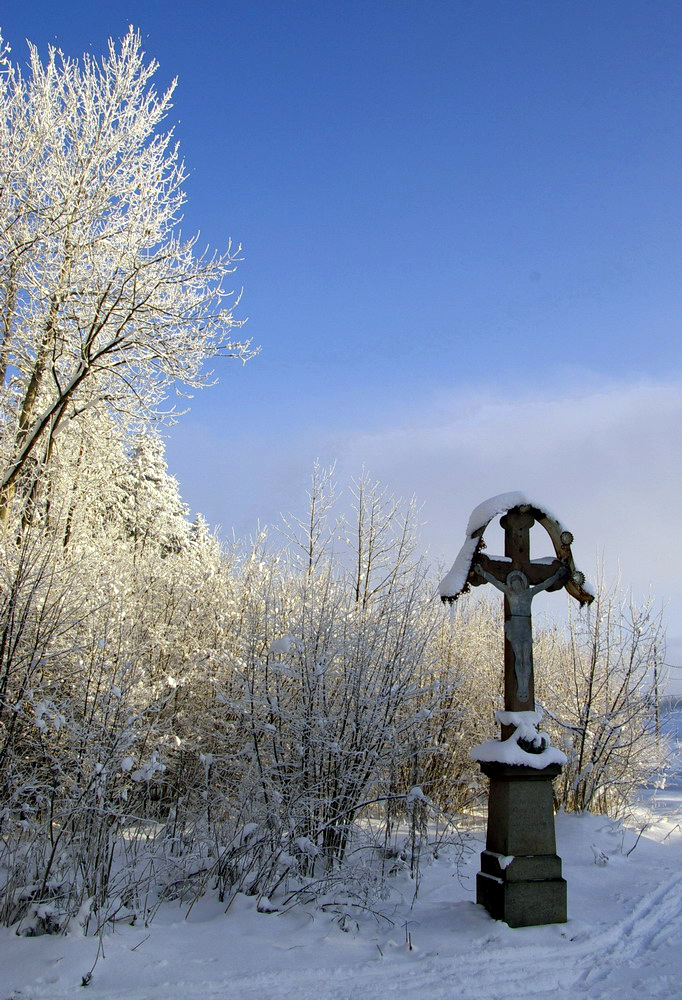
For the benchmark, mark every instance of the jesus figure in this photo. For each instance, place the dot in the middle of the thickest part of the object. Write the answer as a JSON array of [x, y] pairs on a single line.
[[518, 629]]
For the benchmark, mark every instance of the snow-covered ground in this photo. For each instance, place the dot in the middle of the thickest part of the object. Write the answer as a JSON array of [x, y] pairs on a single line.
[[623, 938]]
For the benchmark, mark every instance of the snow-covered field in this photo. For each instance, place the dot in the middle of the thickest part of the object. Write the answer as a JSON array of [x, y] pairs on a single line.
[[623, 938]]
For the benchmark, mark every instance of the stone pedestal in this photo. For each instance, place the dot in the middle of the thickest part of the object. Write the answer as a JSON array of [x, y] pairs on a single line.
[[520, 878]]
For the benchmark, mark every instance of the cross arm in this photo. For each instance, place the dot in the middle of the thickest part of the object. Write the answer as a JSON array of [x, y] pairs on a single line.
[[495, 569]]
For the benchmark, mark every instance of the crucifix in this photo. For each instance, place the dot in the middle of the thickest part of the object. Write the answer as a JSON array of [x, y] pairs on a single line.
[[520, 879], [520, 580]]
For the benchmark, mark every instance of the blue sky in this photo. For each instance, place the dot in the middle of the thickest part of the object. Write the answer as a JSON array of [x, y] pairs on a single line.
[[461, 230]]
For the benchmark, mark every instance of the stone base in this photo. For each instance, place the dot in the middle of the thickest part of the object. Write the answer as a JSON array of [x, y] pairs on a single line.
[[522, 902], [520, 879]]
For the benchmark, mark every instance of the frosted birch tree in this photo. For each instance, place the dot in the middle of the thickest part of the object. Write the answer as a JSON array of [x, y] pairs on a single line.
[[103, 302]]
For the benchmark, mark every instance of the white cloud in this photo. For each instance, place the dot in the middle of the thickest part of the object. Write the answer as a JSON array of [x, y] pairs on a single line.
[[606, 460]]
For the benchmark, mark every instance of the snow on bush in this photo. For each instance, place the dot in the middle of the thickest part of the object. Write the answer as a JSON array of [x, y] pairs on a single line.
[[159, 739]]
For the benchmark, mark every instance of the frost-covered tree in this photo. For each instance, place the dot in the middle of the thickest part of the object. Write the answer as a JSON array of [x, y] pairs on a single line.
[[103, 303], [153, 510]]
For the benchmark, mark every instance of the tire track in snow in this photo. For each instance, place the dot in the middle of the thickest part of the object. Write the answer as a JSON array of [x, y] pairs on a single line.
[[504, 971], [655, 920]]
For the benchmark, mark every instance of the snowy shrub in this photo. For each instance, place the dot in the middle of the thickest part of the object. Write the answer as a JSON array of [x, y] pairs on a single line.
[[291, 724], [599, 682], [332, 701]]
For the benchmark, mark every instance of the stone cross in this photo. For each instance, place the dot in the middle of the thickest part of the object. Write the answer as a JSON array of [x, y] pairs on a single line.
[[520, 580]]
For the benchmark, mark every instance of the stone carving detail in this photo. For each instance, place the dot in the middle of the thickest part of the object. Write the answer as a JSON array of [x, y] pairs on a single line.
[[518, 628]]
